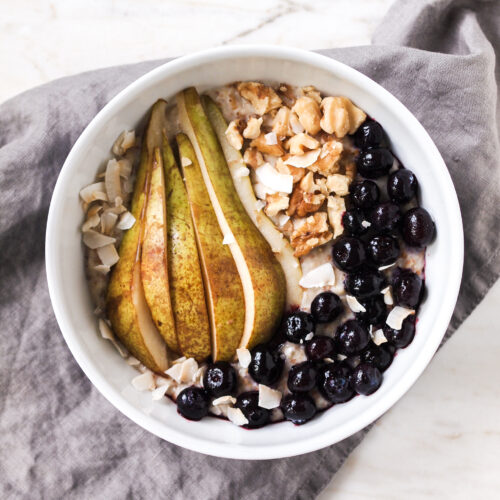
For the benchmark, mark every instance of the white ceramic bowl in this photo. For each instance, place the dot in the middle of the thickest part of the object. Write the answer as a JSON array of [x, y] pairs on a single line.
[[64, 252]]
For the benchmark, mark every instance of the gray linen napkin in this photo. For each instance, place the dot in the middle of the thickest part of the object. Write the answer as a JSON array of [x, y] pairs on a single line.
[[58, 436]]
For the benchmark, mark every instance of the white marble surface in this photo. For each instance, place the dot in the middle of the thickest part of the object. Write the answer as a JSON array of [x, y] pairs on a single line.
[[442, 440]]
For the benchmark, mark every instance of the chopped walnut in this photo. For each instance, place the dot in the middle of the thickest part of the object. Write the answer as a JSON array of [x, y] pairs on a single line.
[[310, 203], [233, 135], [327, 163], [276, 203], [298, 144], [312, 92], [309, 114], [283, 168], [253, 158], [262, 144], [252, 130], [295, 199], [338, 184], [310, 234], [340, 116], [336, 208], [262, 97], [281, 124], [287, 94]]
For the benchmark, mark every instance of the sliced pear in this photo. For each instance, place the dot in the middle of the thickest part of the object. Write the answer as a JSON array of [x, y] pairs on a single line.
[[280, 245], [261, 274], [126, 304], [154, 269], [223, 287], [186, 282]]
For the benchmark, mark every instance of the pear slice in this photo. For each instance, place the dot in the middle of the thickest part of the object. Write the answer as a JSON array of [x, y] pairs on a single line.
[[280, 245], [187, 293], [263, 280], [154, 270], [126, 304], [223, 287]]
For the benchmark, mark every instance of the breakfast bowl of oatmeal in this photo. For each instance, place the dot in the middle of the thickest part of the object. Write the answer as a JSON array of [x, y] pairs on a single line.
[[254, 252]]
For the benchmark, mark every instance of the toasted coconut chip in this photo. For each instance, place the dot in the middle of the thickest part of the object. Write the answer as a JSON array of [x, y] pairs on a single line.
[[112, 180], [144, 382], [91, 222], [105, 330], [378, 337], [386, 292], [259, 205], [224, 400], [128, 185], [244, 357], [108, 255], [242, 172], [354, 305], [93, 192], [319, 276], [163, 382], [93, 239], [272, 179], [179, 360], [175, 372], [262, 191], [271, 138], [305, 160], [159, 393], [198, 376], [185, 162], [127, 220], [132, 361], [94, 210], [125, 168], [101, 268], [235, 415], [268, 398], [125, 140], [283, 219], [215, 410], [397, 315], [108, 221], [189, 369], [228, 239]]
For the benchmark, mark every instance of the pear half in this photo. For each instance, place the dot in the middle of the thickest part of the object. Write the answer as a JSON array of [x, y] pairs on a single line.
[[279, 244], [223, 287], [126, 304], [263, 280], [187, 293]]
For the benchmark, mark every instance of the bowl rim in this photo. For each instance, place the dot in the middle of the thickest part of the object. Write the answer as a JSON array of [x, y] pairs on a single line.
[[232, 450]]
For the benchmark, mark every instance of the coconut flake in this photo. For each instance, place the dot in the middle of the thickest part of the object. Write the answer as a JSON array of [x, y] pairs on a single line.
[[132, 361], [297, 127], [108, 221], [378, 337], [235, 415], [242, 172], [271, 139], [268, 398], [397, 315], [354, 305], [283, 219], [185, 162], [127, 220], [303, 161], [94, 240], [101, 268], [91, 222], [112, 180], [319, 276], [125, 168], [175, 372], [244, 357], [125, 140], [93, 192], [224, 400], [159, 393], [108, 255], [366, 224], [259, 205], [144, 382], [228, 239], [272, 179], [386, 292], [179, 360], [188, 370], [383, 268]]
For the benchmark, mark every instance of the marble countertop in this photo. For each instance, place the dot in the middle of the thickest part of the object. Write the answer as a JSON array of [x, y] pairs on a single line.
[[443, 438]]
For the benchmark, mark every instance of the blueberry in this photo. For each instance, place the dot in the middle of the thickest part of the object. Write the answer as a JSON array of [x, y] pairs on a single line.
[[351, 337], [266, 365], [385, 217], [298, 325], [302, 377], [365, 194], [366, 379], [192, 403], [374, 163], [369, 135], [380, 356], [401, 338], [333, 382], [298, 408], [352, 220], [364, 283], [320, 347], [418, 227], [348, 253], [248, 403], [325, 307], [219, 379], [383, 249], [407, 288], [376, 310], [402, 185]]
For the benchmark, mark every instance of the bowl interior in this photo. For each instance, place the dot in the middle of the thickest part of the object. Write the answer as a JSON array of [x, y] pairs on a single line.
[[64, 253]]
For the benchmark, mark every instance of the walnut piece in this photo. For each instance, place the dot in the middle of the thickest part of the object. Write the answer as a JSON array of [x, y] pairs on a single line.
[[340, 116], [336, 208], [262, 144], [262, 97], [253, 158], [309, 114], [298, 144], [281, 124], [338, 184], [310, 203], [276, 203], [327, 163], [310, 234], [252, 130], [312, 92], [233, 135]]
